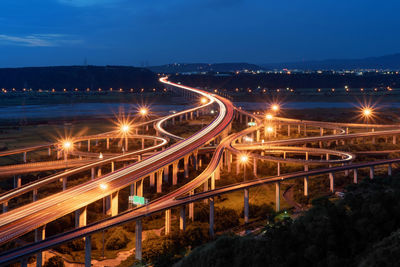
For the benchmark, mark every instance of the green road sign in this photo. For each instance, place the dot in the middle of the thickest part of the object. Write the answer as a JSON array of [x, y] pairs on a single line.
[[138, 200]]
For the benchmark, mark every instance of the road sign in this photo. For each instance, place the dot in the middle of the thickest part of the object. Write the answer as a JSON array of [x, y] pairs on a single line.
[[251, 123], [138, 200]]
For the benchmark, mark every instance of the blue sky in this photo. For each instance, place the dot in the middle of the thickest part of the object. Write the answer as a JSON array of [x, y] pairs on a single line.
[[129, 32]]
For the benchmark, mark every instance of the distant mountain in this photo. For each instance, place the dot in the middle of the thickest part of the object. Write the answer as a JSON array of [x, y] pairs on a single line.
[[391, 62], [81, 77], [203, 67]]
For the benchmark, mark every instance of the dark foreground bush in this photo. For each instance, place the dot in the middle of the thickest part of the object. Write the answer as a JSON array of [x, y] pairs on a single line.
[[338, 233], [55, 261]]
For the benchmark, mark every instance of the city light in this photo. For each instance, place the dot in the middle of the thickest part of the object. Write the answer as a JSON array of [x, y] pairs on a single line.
[[101, 155], [143, 111], [269, 117], [275, 107], [125, 128], [244, 159], [67, 145], [103, 186], [270, 129], [203, 100], [367, 112]]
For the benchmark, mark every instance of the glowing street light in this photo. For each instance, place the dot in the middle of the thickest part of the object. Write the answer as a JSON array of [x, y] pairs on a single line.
[[367, 112], [125, 129], [275, 107], [203, 100], [143, 111], [269, 116], [103, 186], [244, 159], [101, 155], [67, 145], [270, 129]]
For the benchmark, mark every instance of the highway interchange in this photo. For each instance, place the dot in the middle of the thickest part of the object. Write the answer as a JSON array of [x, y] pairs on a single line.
[[154, 162]]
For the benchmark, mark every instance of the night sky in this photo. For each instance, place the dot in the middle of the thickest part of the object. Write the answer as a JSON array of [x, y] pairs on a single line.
[[152, 32]]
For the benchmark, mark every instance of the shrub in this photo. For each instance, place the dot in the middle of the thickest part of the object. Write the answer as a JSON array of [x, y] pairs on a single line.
[[55, 261]]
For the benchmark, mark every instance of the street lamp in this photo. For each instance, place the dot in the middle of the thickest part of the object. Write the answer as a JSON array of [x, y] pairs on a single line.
[[103, 187], [244, 159], [275, 107], [66, 146], [125, 129], [101, 155], [203, 100], [269, 117], [143, 111]]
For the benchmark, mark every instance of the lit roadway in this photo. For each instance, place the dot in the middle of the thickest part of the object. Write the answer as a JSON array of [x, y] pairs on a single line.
[[29, 217]]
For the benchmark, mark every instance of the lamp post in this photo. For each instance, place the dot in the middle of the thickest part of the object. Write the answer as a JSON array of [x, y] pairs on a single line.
[[103, 187], [244, 159]]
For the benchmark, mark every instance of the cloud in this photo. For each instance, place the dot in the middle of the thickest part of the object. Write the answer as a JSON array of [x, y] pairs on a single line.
[[85, 3], [38, 40]]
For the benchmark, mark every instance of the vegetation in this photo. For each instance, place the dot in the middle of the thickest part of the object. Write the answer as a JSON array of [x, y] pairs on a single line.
[[55, 261], [341, 233]]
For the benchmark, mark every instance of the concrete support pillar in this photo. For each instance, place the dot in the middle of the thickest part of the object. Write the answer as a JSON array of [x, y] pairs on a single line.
[[24, 262], [64, 182], [371, 172], [278, 168], [138, 240], [167, 221], [5, 207], [139, 188], [258, 136], [18, 182], [35, 195], [186, 166], [306, 186], [174, 173], [152, 179], [255, 167], [390, 169], [182, 218], [93, 173], [166, 173], [25, 158], [321, 131], [88, 145], [40, 234], [229, 161], [107, 143], [81, 217], [288, 130], [237, 165], [373, 139], [394, 140], [191, 207], [112, 166], [355, 176], [98, 171], [305, 129], [88, 251], [246, 205], [159, 181], [331, 182], [277, 196], [211, 217], [306, 168], [142, 143], [49, 151], [195, 160]]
